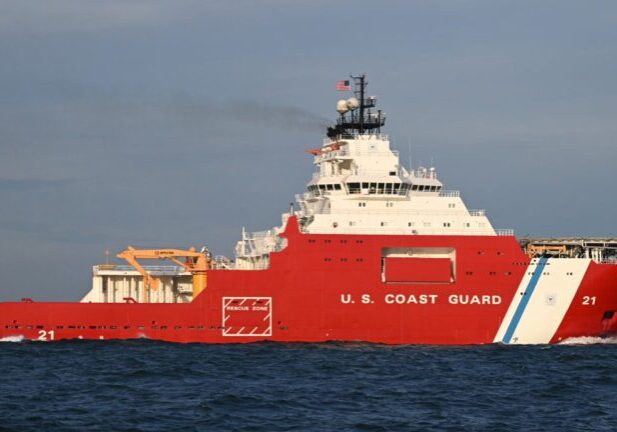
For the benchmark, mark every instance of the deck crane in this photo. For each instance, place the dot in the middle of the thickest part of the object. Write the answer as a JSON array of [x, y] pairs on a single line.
[[196, 263]]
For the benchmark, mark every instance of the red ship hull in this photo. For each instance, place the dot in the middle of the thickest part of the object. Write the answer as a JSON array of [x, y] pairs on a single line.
[[331, 288]]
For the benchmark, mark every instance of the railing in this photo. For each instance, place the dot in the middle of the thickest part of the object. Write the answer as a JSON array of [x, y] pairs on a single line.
[[336, 153], [450, 193], [477, 212], [422, 175], [375, 173], [368, 136], [260, 234], [153, 269], [221, 262], [385, 174], [405, 231], [504, 232], [304, 196]]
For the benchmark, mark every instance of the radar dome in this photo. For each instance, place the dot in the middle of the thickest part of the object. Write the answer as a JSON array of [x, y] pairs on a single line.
[[353, 103], [341, 106]]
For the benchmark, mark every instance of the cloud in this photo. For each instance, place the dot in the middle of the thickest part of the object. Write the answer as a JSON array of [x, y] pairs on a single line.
[[53, 16], [69, 15]]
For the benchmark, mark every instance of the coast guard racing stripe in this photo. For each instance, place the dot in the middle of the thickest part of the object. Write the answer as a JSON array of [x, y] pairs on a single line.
[[541, 300]]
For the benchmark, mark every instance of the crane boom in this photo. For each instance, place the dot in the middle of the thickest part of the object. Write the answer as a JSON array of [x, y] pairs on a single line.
[[197, 263]]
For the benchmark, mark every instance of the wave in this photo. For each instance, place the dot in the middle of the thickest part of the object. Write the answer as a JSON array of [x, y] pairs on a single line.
[[18, 338], [589, 340]]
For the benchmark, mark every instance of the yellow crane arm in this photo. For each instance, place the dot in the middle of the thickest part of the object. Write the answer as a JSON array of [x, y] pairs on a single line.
[[149, 281], [197, 263]]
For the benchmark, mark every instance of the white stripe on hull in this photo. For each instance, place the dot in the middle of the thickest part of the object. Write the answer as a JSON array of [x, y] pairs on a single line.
[[541, 302]]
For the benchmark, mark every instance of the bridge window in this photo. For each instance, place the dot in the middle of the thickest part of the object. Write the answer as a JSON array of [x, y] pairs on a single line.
[[364, 185], [337, 187], [395, 188], [372, 188], [354, 188], [380, 188]]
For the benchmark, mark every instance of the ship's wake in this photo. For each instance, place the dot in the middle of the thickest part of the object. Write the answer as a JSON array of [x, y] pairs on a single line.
[[589, 340], [19, 338]]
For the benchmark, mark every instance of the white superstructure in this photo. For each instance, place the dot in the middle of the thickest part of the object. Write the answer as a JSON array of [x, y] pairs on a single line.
[[361, 188], [120, 284]]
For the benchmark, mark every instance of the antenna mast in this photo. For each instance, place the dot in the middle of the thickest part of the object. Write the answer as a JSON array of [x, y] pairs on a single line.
[[361, 120]]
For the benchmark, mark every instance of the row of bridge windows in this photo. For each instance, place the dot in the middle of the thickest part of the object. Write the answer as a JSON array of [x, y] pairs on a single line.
[[375, 188]]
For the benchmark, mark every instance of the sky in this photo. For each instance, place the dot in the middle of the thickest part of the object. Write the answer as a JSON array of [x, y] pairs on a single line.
[[176, 123]]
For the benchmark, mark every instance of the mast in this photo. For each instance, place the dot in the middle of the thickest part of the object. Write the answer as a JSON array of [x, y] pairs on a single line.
[[361, 120], [360, 82]]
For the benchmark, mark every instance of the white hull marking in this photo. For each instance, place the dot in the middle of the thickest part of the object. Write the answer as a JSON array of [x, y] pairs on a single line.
[[537, 321]]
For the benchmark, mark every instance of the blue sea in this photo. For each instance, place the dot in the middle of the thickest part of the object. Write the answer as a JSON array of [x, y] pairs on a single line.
[[153, 386]]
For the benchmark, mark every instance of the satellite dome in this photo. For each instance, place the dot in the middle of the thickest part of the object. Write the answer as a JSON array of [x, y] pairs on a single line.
[[341, 106], [353, 103]]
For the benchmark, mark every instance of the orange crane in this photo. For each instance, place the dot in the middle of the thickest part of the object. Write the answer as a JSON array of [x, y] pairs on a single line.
[[197, 263]]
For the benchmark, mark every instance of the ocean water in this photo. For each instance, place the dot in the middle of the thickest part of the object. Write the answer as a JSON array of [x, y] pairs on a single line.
[[154, 386]]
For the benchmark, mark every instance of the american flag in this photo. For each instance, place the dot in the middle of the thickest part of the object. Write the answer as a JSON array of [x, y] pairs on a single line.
[[343, 85]]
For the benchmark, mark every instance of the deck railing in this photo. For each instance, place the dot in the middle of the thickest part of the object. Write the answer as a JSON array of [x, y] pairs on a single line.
[[450, 193], [159, 270]]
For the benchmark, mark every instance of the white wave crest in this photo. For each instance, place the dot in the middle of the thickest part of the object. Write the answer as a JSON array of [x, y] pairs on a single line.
[[18, 338], [589, 340]]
